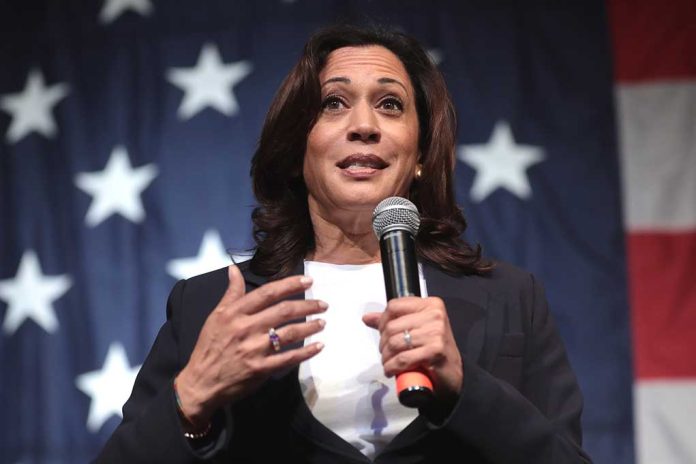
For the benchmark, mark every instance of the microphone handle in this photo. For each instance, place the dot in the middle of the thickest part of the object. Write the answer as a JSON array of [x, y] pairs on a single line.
[[400, 268], [399, 264]]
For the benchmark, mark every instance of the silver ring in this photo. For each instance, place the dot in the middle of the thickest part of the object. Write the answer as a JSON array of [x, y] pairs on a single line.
[[274, 338], [407, 339]]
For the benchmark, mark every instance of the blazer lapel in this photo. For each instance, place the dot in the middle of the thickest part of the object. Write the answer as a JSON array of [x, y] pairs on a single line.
[[475, 315]]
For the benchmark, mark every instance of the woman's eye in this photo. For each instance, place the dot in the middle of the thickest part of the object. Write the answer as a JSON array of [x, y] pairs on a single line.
[[332, 102], [392, 104]]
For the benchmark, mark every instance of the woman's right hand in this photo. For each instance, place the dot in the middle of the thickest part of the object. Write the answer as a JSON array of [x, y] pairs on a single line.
[[234, 355]]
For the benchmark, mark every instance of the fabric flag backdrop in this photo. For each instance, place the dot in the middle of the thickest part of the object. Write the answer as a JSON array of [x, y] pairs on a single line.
[[655, 70], [127, 129]]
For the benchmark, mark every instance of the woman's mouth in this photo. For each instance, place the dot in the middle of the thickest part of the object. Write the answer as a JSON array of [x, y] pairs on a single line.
[[361, 164]]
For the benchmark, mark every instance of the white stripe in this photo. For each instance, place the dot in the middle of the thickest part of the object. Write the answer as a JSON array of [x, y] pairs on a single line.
[[657, 124], [665, 421]]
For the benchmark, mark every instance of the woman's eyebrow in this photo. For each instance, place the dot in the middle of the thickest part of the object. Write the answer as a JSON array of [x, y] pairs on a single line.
[[389, 80], [381, 80], [345, 80]]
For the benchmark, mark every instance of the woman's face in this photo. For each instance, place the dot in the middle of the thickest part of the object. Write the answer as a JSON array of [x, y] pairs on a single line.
[[364, 145]]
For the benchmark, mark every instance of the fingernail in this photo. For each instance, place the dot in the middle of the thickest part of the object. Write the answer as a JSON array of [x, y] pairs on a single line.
[[323, 304], [306, 281], [321, 322], [320, 346]]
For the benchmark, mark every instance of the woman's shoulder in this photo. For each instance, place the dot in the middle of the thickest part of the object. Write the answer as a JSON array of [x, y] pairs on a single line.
[[215, 280], [505, 283], [208, 281], [502, 275], [193, 299], [506, 274]]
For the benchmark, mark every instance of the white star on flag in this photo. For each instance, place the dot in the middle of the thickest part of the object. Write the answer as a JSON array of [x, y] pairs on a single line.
[[31, 108], [116, 189], [109, 387], [31, 295], [211, 256], [209, 83], [112, 9], [501, 163]]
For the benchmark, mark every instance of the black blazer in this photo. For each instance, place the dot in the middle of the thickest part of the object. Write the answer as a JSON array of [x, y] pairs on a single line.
[[520, 401]]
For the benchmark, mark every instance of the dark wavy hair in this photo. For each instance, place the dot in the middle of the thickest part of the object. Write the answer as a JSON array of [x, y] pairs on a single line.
[[283, 231]]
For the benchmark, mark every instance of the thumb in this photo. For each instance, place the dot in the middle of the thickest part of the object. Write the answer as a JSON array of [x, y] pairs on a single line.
[[236, 287], [372, 319]]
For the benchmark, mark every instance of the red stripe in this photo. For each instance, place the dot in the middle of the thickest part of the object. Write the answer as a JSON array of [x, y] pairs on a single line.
[[653, 39], [663, 292]]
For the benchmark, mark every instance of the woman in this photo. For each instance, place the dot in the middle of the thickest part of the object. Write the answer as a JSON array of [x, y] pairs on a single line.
[[247, 370]]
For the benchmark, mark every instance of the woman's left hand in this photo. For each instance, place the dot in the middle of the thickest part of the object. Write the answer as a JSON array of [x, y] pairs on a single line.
[[432, 349]]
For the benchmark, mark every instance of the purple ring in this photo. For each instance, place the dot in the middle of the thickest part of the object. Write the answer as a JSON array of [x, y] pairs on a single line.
[[275, 339]]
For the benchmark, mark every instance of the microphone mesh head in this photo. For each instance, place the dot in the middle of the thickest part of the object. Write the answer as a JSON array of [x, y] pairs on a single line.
[[395, 213]]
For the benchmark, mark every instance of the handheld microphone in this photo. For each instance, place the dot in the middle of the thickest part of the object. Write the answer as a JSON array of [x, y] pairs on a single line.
[[395, 222]]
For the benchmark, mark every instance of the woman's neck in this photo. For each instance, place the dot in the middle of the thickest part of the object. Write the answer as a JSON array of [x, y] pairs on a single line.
[[345, 238]]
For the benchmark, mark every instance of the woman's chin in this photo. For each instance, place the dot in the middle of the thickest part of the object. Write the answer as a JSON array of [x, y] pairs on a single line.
[[366, 202], [352, 199], [344, 206]]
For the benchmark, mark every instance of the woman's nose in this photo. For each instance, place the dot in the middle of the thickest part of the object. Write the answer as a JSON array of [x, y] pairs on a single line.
[[364, 126]]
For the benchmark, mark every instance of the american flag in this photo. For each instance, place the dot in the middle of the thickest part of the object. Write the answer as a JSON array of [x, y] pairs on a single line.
[[127, 128]]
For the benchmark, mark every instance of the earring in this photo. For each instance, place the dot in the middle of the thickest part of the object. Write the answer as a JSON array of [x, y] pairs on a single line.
[[419, 171]]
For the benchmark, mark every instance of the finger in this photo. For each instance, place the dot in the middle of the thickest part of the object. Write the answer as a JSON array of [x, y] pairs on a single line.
[[405, 305], [292, 358], [431, 311], [397, 343], [424, 320], [272, 292], [236, 286], [287, 310], [409, 360], [399, 307], [293, 333], [409, 304], [372, 320]]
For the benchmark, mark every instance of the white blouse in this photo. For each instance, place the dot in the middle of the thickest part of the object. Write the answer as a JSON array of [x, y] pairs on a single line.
[[344, 385]]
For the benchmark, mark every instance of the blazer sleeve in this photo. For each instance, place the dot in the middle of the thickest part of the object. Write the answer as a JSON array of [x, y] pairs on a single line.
[[538, 424], [151, 430]]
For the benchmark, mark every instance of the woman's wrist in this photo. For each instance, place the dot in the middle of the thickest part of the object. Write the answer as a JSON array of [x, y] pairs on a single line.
[[194, 417]]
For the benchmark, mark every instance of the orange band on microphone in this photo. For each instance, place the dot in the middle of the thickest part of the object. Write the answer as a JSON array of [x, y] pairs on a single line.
[[407, 380]]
